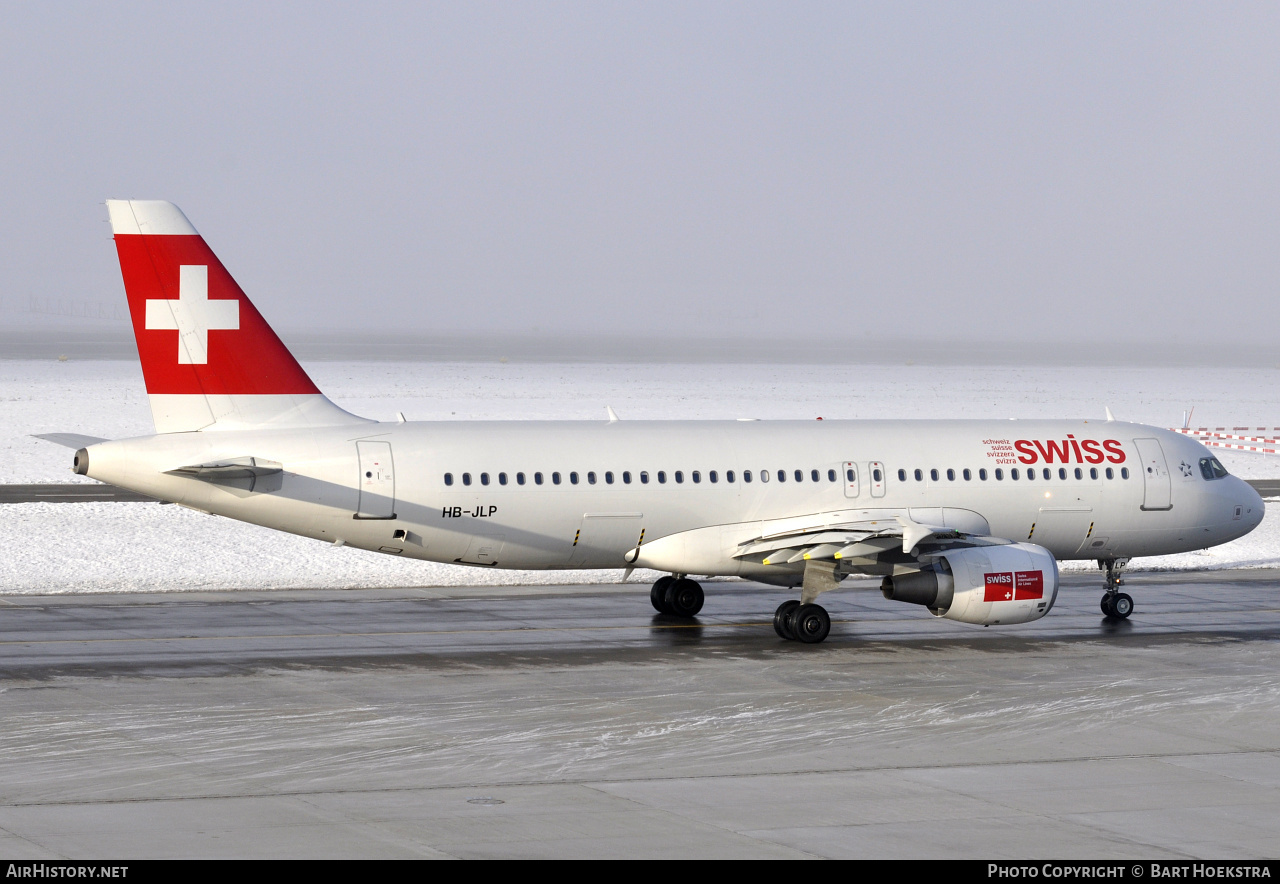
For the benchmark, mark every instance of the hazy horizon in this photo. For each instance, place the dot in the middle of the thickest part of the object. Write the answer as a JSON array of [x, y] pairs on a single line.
[[986, 174]]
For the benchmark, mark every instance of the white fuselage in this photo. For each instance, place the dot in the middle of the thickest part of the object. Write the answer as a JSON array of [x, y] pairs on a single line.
[[383, 486]]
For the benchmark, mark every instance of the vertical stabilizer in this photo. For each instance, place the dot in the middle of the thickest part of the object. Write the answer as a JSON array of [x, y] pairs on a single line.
[[209, 359]]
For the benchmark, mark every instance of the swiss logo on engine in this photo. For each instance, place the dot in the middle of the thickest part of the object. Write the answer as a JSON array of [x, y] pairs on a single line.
[[1007, 586]]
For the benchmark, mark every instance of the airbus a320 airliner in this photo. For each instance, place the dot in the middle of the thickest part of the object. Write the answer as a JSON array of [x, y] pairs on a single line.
[[965, 518]]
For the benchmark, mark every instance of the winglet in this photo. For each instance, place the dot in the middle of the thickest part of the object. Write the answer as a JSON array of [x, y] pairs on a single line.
[[613, 416], [1110, 416]]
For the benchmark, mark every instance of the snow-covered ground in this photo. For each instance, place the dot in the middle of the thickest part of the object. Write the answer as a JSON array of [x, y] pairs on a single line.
[[112, 547]]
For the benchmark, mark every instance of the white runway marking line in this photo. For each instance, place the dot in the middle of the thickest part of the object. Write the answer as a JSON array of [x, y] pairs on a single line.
[[1152, 615]]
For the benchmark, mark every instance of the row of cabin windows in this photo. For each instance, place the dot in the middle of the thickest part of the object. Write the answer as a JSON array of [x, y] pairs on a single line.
[[712, 476], [1014, 474]]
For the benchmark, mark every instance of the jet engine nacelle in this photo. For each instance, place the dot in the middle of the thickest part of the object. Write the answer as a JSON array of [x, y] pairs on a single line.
[[1016, 583]]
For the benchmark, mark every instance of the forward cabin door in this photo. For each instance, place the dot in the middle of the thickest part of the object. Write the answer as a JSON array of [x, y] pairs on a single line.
[[377, 481], [1155, 475]]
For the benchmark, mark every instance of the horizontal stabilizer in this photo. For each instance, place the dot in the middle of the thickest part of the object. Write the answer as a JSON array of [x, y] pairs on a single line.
[[233, 469], [69, 440]]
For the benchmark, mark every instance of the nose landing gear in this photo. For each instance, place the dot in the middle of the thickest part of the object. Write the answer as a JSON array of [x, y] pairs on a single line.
[[1115, 605]]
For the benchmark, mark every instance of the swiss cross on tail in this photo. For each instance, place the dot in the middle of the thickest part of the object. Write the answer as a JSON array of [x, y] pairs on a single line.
[[193, 315], [197, 333]]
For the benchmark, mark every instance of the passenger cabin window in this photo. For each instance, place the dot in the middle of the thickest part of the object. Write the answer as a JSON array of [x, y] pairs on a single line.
[[782, 475], [519, 478], [728, 476], [1124, 472], [644, 477], [591, 477], [555, 478], [999, 475], [902, 475], [466, 478], [1093, 472], [968, 476], [502, 478], [537, 478], [876, 475], [1013, 474], [951, 475], [1110, 473], [1049, 475], [662, 477], [679, 475], [1079, 473], [982, 474], [626, 477], [484, 478], [800, 476], [448, 478], [746, 475], [573, 478], [1210, 468], [764, 476], [933, 474], [608, 477], [713, 476], [831, 475], [919, 475], [696, 476]]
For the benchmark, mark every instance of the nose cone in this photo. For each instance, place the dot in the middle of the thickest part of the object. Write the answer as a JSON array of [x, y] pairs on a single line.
[[1255, 509], [1248, 509]]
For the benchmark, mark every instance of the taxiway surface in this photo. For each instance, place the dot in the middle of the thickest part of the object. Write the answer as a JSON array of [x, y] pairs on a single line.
[[571, 721]]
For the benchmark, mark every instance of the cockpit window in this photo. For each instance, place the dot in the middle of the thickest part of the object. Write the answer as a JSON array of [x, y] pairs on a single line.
[[1211, 468]]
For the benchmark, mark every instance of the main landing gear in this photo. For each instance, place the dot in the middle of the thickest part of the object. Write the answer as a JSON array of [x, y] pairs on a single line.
[[803, 623], [677, 596], [1115, 605]]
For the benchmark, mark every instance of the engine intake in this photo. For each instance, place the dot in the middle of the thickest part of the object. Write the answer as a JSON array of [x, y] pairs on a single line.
[[1015, 583]]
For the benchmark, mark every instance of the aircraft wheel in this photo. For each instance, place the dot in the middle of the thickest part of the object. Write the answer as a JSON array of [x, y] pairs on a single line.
[[1122, 606], [658, 595], [684, 597], [1106, 606], [782, 619], [810, 624]]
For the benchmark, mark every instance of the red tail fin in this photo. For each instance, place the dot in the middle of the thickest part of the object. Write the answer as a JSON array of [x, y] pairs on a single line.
[[208, 356]]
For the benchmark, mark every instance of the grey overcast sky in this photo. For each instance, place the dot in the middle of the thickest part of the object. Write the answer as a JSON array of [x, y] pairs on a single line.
[[1029, 171]]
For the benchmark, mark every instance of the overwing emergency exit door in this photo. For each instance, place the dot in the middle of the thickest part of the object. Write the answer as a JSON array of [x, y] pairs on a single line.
[[1155, 475], [377, 481], [852, 484]]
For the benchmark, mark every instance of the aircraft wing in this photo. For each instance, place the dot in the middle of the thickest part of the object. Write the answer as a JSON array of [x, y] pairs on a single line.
[[861, 539]]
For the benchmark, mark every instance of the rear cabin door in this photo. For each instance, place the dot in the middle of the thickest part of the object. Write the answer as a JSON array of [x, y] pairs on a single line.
[[377, 481], [1155, 475]]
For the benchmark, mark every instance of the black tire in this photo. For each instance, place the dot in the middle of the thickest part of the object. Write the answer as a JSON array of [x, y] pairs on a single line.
[[658, 595], [684, 598], [1105, 605], [1122, 606], [810, 624], [782, 619]]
